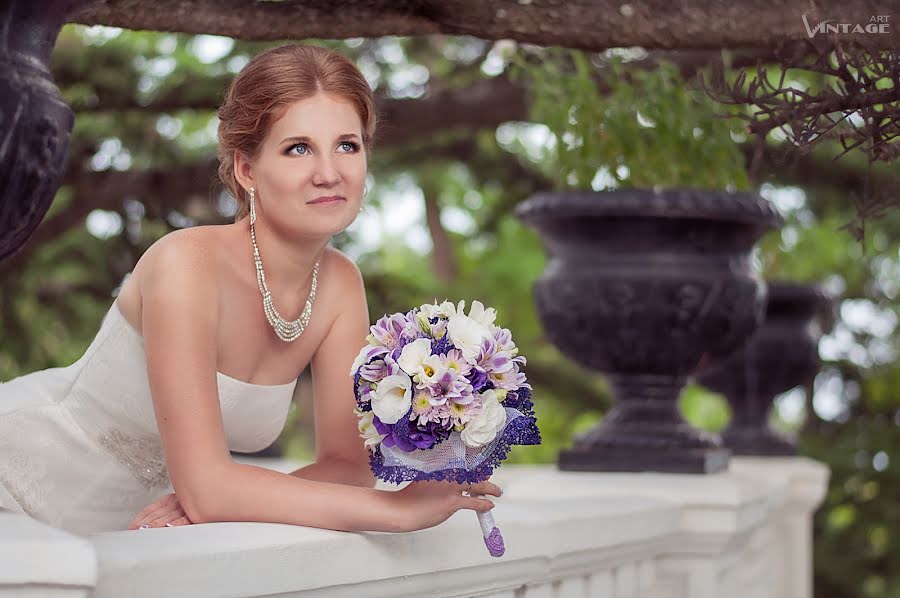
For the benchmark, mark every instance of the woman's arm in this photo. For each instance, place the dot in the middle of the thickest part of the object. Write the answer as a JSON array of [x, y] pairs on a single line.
[[341, 455], [337, 472], [179, 321], [252, 493]]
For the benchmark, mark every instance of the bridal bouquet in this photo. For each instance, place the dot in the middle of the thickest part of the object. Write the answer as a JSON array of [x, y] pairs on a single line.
[[440, 396]]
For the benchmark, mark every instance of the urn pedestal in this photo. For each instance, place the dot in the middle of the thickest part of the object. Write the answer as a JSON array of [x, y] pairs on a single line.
[[782, 354], [35, 122], [640, 285]]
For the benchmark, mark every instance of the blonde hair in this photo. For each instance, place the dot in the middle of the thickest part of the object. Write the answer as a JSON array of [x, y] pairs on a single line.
[[267, 85]]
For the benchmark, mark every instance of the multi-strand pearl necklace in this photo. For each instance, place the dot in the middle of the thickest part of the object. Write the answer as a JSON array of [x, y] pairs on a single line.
[[287, 330]]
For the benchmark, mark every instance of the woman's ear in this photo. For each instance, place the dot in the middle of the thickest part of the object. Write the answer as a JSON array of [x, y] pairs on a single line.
[[243, 171]]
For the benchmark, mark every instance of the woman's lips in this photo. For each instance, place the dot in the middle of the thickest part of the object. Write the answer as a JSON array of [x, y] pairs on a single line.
[[327, 200]]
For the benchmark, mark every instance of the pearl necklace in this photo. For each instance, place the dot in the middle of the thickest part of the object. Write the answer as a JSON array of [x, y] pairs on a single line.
[[287, 330]]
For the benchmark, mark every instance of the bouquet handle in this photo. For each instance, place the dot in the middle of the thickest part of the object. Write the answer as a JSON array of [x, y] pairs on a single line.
[[493, 539]]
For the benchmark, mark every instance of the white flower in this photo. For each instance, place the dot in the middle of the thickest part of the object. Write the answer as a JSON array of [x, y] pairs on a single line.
[[481, 315], [393, 398], [466, 335], [445, 309], [367, 429], [360, 359], [423, 323], [485, 426], [431, 369], [413, 354], [364, 355], [429, 310]]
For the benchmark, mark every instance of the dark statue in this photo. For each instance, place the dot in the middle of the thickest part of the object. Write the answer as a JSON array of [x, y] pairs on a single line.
[[780, 356], [35, 122], [641, 285]]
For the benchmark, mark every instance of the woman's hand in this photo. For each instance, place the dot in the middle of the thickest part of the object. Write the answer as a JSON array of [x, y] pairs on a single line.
[[421, 505], [166, 511]]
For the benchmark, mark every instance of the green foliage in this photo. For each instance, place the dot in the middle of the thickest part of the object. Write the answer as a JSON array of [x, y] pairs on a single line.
[[648, 129], [704, 409], [51, 303], [856, 548]]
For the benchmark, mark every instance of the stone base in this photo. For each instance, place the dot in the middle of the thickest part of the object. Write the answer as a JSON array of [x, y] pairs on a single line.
[[760, 441], [629, 459]]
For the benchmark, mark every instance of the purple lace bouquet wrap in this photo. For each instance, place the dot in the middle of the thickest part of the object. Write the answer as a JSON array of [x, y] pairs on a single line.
[[440, 396]]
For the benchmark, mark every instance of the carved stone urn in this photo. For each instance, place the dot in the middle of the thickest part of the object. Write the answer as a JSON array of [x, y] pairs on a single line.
[[782, 354], [35, 122], [640, 285]]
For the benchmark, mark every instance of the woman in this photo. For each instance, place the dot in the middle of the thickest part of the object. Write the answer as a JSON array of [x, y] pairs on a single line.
[[199, 355]]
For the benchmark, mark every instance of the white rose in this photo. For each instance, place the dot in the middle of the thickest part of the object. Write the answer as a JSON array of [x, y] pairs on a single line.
[[466, 335], [413, 354], [393, 398], [485, 426], [481, 315], [367, 429]]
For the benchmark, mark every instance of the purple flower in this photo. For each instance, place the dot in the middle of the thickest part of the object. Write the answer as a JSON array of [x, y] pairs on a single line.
[[441, 346], [379, 369], [451, 386], [438, 327], [393, 436], [389, 329], [479, 379], [425, 436], [408, 436], [510, 379], [503, 338], [365, 391], [491, 359]]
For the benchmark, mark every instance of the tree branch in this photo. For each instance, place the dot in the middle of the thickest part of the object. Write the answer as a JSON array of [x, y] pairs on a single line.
[[590, 25]]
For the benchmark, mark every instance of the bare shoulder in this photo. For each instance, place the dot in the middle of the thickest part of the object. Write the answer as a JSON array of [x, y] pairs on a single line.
[[188, 248], [342, 286], [346, 285], [182, 261], [341, 266]]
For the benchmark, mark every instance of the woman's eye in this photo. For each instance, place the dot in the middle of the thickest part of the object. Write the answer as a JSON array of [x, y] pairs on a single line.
[[299, 145], [349, 146]]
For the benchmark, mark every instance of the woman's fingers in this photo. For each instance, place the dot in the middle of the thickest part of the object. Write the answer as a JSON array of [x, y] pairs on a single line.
[[144, 516], [180, 521], [146, 511], [165, 510], [153, 516], [161, 519], [486, 488], [480, 505], [167, 500]]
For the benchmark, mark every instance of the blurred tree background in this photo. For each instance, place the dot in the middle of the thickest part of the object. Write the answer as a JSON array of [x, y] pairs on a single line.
[[454, 154]]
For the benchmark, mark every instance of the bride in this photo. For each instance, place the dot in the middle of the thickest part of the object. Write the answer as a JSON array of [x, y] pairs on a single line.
[[200, 352]]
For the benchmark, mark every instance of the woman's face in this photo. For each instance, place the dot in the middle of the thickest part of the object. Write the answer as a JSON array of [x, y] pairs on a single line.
[[311, 168]]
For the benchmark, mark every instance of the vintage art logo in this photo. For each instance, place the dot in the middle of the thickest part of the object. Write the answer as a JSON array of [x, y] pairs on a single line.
[[876, 24]]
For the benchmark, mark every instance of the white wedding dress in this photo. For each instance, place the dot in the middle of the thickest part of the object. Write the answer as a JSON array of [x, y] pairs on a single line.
[[79, 445]]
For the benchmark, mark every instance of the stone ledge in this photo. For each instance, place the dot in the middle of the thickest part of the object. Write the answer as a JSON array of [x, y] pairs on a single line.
[[545, 542], [38, 559], [742, 533]]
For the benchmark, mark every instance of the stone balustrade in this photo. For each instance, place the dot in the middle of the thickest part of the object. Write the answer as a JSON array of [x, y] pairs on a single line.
[[742, 533]]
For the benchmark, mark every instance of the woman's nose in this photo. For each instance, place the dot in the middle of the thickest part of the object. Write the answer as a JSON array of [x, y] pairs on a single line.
[[326, 173]]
